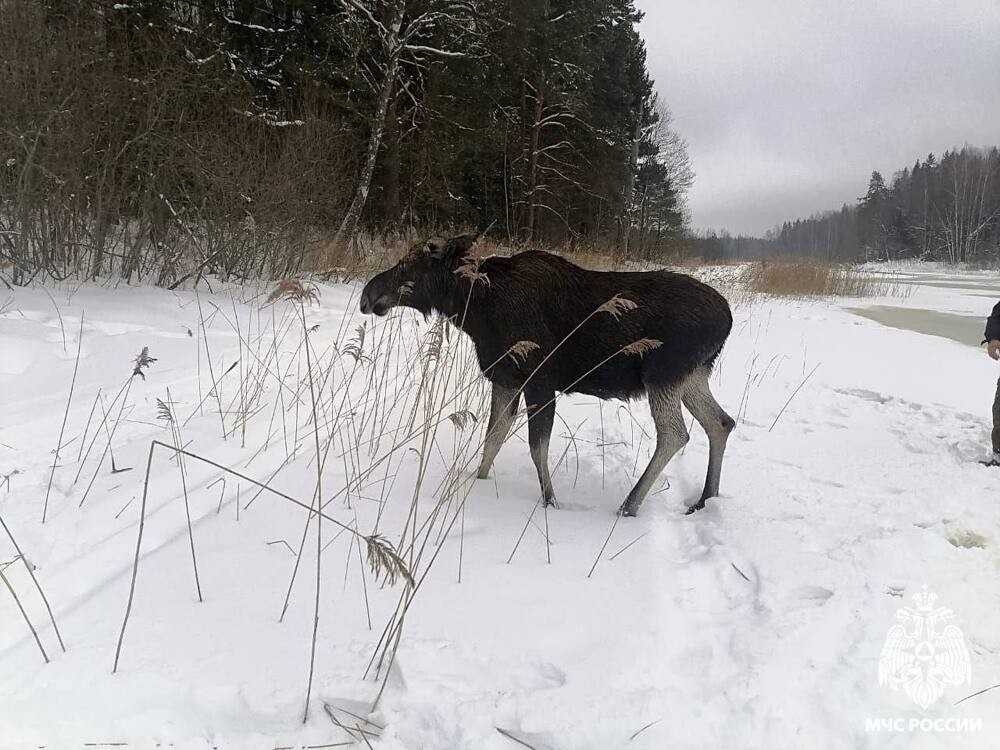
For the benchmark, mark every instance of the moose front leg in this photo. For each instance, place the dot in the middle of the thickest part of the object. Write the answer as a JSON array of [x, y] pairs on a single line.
[[671, 436], [503, 406], [541, 414]]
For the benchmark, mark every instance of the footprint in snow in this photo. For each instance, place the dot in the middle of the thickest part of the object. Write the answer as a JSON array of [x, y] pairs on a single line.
[[812, 594], [865, 395], [965, 539]]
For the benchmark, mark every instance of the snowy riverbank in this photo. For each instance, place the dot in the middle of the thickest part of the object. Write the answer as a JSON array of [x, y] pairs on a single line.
[[851, 483]]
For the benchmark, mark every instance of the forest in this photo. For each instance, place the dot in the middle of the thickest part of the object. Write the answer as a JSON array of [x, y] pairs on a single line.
[[943, 209], [153, 139]]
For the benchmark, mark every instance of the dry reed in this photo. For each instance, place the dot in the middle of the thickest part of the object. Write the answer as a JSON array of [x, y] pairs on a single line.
[[805, 279]]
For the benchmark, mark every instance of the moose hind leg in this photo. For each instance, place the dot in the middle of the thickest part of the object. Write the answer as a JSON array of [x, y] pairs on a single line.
[[717, 424], [671, 435], [541, 415], [503, 406]]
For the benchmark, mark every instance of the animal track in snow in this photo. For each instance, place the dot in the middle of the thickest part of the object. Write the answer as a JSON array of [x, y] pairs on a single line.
[[812, 594], [967, 539]]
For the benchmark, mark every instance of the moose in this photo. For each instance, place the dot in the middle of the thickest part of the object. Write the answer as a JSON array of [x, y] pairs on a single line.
[[541, 324]]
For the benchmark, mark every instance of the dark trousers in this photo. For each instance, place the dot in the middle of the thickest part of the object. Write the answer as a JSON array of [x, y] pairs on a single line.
[[996, 420]]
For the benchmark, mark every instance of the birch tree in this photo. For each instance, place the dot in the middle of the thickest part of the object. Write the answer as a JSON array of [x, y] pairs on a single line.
[[404, 38], [965, 212]]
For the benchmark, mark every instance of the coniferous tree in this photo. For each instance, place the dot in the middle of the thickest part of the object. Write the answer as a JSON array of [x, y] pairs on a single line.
[[945, 208]]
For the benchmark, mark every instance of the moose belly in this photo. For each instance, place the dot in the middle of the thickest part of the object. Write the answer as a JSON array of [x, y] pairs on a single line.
[[577, 371], [621, 380]]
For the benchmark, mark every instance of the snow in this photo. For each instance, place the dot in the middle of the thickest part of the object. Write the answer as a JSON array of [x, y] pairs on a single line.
[[270, 119], [254, 26], [755, 623]]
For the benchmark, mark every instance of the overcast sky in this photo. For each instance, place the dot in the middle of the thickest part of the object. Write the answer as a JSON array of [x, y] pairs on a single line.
[[788, 105]]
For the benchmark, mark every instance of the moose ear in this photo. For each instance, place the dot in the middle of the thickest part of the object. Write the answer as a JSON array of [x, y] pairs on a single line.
[[459, 246], [436, 247], [451, 250]]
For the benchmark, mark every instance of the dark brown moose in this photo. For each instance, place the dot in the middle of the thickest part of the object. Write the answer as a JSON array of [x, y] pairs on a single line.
[[541, 324]]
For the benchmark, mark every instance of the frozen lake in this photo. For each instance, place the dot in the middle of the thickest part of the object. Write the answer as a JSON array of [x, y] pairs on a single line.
[[952, 307]]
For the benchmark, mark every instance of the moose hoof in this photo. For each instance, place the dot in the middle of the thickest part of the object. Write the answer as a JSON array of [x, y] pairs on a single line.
[[550, 502], [628, 510], [483, 473], [696, 507]]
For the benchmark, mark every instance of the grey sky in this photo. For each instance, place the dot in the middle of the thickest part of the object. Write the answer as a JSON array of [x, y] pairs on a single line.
[[788, 105]]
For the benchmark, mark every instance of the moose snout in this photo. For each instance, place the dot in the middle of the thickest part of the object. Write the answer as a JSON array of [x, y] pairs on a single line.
[[374, 303]]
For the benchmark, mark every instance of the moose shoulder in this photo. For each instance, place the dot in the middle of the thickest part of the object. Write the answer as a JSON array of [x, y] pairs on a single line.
[[541, 324]]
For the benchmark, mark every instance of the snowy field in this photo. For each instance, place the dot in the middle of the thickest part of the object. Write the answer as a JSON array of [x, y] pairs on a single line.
[[851, 483]]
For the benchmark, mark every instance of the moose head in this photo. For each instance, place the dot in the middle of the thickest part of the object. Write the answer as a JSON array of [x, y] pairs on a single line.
[[424, 278]]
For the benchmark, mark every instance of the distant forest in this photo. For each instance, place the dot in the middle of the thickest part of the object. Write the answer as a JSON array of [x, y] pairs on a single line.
[[144, 138], [945, 209]]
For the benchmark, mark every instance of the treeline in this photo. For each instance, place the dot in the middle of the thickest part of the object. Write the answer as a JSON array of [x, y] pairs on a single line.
[[945, 209], [161, 138]]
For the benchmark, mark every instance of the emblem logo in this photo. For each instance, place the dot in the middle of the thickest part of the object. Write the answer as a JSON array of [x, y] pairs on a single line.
[[922, 654]]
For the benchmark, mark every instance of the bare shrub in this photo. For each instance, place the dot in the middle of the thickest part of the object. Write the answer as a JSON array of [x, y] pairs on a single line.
[[121, 156]]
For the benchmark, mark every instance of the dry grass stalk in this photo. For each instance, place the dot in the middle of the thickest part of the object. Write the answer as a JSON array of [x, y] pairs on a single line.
[[641, 346], [357, 732], [458, 486], [614, 556], [86, 427], [548, 539], [617, 306], [524, 530], [643, 729], [301, 295], [519, 352], [110, 433], [463, 419], [24, 614], [38, 586], [393, 567], [135, 560], [435, 340], [62, 429], [62, 328], [470, 270], [605, 545], [7, 477], [510, 736], [412, 431], [385, 562], [124, 390], [321, 455], [356, 345], [142, 361], [797, 389], [295, 291], [165, 412], [211, 369], [803, 279]]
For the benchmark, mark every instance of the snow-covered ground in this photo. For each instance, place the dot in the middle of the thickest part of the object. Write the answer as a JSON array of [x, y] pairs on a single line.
[[850, 484]]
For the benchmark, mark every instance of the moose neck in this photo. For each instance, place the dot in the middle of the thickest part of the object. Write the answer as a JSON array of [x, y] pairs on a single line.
[[462, 302]]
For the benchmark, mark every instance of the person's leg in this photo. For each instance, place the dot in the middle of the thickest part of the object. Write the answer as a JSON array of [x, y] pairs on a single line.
[[996, 423]]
